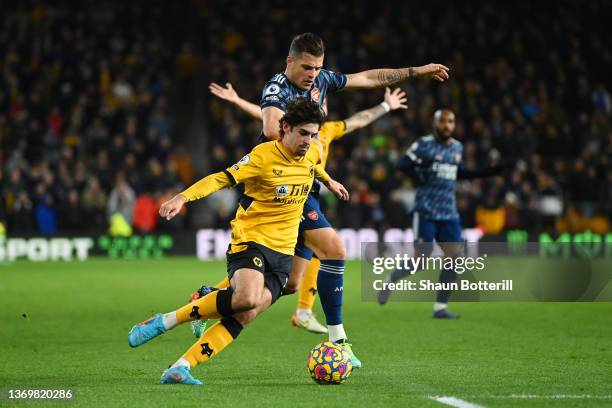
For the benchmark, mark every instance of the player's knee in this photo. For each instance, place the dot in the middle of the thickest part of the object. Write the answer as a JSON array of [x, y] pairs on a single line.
[[333, 248], [246, 317], [245, 301]]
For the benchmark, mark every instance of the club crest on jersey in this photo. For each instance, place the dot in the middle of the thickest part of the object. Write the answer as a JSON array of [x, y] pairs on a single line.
[[282, 190], [257, 261], [311, 171], [244, 160], [277, 172], [313, 215], [315, 95]]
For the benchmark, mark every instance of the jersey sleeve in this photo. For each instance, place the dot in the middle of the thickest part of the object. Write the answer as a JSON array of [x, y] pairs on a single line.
[[274, 94], [411, 163], [207, 186], [320, 173], [247, 168], [415, 152], [335, 81], [334, 129]]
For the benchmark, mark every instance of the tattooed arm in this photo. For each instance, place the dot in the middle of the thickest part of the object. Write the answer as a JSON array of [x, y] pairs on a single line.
[[377, 78], [393, 100]]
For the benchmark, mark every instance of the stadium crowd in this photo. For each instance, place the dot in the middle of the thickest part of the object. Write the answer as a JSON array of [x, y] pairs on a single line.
[[86, 120]]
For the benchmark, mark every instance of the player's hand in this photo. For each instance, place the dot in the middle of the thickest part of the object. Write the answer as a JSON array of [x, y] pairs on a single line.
[[228, 93], [172, 207], [396, 99], [338, 189], [431, 71]]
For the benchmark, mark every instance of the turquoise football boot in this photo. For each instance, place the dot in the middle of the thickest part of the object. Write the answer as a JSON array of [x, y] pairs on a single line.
[[198, 327], [147, 330], [179, 375], [348, 347]]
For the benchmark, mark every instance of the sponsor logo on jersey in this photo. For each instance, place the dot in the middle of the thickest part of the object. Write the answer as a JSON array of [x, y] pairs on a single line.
[[292, 193], [277, 172], [445, 171], [313, 215], [282, 190]]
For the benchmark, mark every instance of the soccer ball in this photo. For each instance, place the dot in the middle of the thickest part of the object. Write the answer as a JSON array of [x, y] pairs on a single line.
[[329, 363]]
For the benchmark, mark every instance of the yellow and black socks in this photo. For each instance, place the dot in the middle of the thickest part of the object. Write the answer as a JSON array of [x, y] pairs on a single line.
[[215, 305], [215, 339], [308, 287]]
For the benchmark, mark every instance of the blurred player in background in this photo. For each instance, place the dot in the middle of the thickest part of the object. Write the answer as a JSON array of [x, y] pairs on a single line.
[[435, 162], [306, 281]]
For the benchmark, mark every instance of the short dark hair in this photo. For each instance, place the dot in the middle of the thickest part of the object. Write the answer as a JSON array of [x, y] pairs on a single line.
[[307, 42], [299, 111]]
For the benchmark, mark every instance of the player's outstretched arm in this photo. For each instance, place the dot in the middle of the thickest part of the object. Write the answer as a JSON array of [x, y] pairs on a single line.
[[393, 100], [201, 189], [377, 78], [228, 93]]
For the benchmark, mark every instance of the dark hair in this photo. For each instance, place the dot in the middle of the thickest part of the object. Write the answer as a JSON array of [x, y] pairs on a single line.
[[299, 111], [307, 42]]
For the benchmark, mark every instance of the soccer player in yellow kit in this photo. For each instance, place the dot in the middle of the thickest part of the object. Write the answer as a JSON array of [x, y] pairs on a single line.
[[278, 176], [304, 274]]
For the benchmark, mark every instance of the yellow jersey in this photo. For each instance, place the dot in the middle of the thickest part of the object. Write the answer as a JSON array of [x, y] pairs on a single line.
[[329, 132], [276, 187]]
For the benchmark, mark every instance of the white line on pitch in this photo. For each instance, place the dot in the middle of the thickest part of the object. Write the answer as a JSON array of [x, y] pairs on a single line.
[[456, 402], [555, 396]]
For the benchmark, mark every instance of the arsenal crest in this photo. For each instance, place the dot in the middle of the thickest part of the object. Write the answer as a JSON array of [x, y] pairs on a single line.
[[313, 215], [315, 95]]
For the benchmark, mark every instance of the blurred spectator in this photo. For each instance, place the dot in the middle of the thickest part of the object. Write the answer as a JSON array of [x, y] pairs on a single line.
[[46, 215], [145, 213], [93, 200], [121, 200]]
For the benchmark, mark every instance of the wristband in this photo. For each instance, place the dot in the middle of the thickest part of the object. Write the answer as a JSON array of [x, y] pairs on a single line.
[[385, 106]]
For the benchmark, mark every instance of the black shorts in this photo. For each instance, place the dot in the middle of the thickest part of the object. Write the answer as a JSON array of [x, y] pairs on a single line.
[[275, 266]]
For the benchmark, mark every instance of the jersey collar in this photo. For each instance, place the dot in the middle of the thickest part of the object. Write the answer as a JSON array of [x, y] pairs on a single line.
[[288, 156]]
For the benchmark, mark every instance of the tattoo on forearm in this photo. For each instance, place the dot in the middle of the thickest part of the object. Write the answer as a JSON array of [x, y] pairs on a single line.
[[366, 117], [392, 76]]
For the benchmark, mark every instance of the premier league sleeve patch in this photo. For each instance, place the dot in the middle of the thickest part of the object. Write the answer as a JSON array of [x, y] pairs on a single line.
[[272, 89]]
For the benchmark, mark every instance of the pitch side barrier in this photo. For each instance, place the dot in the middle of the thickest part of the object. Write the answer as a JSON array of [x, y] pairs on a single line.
[[209, 244]]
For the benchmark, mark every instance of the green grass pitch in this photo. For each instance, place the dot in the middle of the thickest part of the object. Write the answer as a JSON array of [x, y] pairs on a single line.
[[77, 316]]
